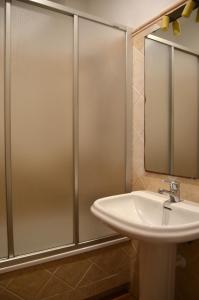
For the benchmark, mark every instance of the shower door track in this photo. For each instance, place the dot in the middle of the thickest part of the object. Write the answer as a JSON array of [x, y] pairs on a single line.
[[13, 262], [40, 257]]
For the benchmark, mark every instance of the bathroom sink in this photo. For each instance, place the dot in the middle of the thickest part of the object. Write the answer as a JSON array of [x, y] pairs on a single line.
[[140, 215]]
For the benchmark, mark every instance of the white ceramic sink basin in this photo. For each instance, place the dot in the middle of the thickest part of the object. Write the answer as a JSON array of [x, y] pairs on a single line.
[[140, 215]]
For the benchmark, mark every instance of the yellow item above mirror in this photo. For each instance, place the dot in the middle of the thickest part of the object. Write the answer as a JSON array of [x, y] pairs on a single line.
[[188, 8], [176, 27], [165, 23]]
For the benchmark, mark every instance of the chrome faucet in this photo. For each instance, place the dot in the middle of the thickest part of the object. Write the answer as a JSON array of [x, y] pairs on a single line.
[[173, 192]]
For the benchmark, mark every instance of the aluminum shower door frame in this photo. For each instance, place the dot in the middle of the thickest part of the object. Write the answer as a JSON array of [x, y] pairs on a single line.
[[13, 262]]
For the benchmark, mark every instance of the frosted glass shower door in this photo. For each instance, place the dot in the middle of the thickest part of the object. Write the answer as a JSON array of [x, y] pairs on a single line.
[[102, 120], [41, 128], [3, 229]]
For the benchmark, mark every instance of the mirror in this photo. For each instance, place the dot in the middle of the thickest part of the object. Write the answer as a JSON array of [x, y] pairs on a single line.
[[172, 100]]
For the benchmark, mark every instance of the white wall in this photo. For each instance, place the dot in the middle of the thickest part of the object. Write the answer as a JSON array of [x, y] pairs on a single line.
[[81, 5], [132, 13]]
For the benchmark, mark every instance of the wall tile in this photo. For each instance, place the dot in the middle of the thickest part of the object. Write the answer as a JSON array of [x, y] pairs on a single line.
[[73, 272], [93, 274], [6, 295], [27, 284], [5, 280], [111, 261], [54, 287], [72, 278]]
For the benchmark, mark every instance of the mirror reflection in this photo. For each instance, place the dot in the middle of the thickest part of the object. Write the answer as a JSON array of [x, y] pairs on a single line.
[[172, 100]]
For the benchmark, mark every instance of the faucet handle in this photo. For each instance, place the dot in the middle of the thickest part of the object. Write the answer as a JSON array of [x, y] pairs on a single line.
[[174, 184]]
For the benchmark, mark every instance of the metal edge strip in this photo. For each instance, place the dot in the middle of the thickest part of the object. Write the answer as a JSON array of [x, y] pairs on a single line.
[[128, 113], [8, 170], [172, 111], [76, 130], [41, 257], [145, 99]]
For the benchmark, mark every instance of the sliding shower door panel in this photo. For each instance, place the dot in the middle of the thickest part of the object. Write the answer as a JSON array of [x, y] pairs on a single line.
[[3, 228], [101, 121], [41, 128]]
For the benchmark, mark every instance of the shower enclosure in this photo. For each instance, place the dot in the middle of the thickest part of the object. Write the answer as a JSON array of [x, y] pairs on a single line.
[[64, 127]]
